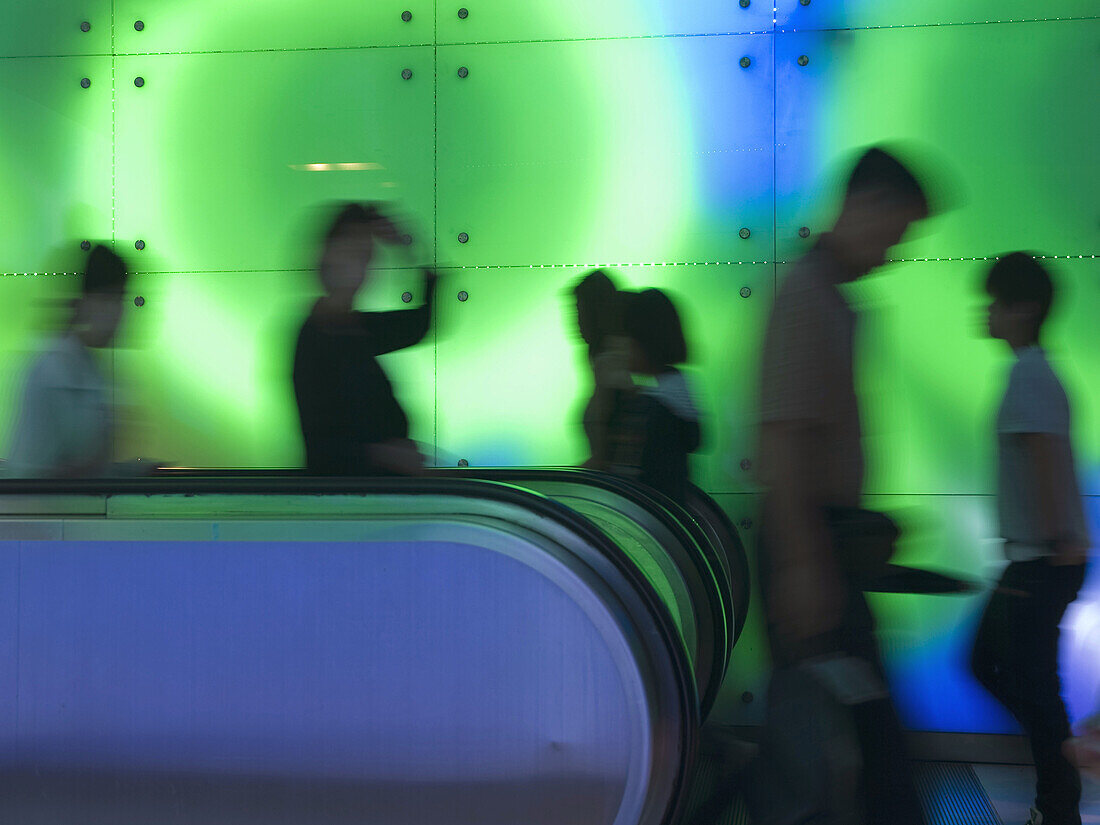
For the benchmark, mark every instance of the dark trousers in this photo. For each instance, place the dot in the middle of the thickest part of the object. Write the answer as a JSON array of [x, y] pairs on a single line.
[[884, 788], [1016, 659]]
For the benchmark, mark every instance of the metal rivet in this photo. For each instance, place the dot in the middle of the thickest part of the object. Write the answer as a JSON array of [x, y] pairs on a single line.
[[746, 524], [139, 245], [139, 81], [463, 72], [746, 465], [804, 232], [744, 233], [745, 292], [803, 60], [747, 697], [139, 25], [464, 296], [804, 2], [85, 82], [139, 301], [406, 74], [744, 4], [463, 463], [463, 237], [407, 240], [746, 62], [85, 26], [463, 14], [406, 16], [85, 245], [407, 297]]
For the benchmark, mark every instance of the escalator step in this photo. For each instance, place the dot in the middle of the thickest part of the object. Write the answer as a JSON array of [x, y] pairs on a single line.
[[953, 795]]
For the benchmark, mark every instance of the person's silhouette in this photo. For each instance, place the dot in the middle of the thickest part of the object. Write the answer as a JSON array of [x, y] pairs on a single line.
[[352, 423], [599, 320], [821, 632], [656, 427], [66, 426], [1046, 541]]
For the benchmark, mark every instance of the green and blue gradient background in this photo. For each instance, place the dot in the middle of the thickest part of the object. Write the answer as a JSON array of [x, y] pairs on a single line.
[[623, 133]]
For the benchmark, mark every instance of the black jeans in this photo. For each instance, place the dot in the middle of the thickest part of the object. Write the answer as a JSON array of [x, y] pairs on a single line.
[[886, 792], [1016, 658]]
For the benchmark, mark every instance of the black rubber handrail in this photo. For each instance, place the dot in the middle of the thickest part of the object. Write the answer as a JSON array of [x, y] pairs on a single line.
[[298, 484]]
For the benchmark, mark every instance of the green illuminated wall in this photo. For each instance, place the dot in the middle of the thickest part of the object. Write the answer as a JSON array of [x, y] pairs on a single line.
[[643, 135]]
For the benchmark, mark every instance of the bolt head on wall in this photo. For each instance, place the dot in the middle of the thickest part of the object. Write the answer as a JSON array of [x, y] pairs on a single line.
[[464, 296], [746, 465], [463, 72], [804, 2], [746, 524], [139, 245], [407, 297], [406, 16], [407, 239], [139, 301], [803, 60], [139, 25], [745, 292], [139, 81], [406, 74], [85, 26], [463, 237], [745, 4], [463, 14], [85, 82], [85, 245], [746, 62], [744, 233], [804, 232], [463, 463]]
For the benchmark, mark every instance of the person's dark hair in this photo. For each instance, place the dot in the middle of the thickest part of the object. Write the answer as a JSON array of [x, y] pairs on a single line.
[[650, 318], [351, 216], [1017, 278], [878, 170], [104, 273], [598, 309]]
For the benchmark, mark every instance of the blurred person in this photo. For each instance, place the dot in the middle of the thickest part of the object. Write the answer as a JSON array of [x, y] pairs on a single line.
[[1045, 538], [66, 425], [351, 420], [832, 747], [599, 320], [655, 428]]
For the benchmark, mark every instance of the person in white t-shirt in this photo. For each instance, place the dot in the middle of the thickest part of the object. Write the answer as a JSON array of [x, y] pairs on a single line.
[[1046, 542], [65, 427]]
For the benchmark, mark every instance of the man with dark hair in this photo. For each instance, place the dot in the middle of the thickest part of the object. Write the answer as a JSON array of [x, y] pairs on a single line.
[[66, 423], [827, 668], [1046, 541]]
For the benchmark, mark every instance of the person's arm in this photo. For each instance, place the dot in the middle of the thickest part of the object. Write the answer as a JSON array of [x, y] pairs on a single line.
[[1048, 467], [401, 328]]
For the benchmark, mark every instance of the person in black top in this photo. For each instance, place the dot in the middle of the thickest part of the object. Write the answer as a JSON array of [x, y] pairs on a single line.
[[351, 421], [655, 428]]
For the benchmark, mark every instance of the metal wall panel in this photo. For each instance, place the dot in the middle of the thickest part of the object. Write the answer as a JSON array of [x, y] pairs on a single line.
[[55, 27], [480, 21], [55, 168], [541, 163], [838, 14], [155, 26], [221, 156]]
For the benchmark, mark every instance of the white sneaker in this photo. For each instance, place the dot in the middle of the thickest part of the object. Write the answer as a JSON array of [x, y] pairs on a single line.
[[1035, 819]]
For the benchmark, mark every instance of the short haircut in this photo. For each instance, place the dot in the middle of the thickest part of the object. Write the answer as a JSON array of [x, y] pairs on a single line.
[[1017, 278], [650, 318], [104, 273], [350, 216], [878, 170]]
